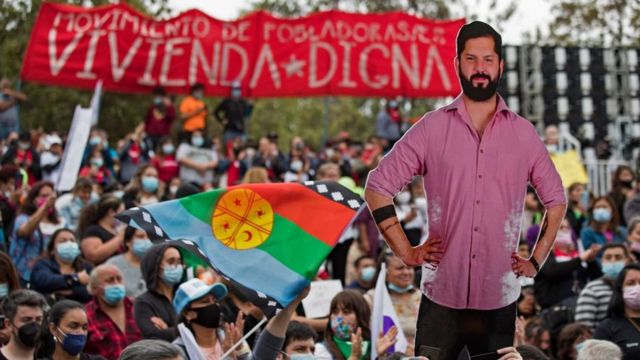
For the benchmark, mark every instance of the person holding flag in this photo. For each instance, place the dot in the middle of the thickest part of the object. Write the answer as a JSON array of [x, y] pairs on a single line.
[[476, 157]]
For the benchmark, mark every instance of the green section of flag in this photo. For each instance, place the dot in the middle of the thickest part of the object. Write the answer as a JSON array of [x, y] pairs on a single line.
[[295, 248], [201, 205], [288, 243]]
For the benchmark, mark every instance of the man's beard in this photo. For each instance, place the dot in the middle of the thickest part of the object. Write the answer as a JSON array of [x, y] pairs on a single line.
[[478, 93]]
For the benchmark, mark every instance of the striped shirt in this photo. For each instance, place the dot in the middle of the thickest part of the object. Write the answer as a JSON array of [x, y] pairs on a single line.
[[593, 302]]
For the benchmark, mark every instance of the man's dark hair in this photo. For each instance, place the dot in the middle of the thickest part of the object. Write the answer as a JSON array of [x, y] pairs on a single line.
[[8, 172], [159, 91], [529, 352], [478, 29], [359, 260], [21, 297], [297, 331], [608, 246], [196, 86]]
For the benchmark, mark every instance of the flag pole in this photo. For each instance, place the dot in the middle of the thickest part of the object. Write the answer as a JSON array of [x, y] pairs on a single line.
[[255, 328]]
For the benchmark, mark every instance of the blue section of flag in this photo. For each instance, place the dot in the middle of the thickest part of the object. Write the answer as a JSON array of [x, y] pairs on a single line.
[[273, 278]]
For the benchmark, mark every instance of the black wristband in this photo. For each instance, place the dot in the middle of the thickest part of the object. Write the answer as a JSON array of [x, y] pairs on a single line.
[[535, 263], [383, 213]]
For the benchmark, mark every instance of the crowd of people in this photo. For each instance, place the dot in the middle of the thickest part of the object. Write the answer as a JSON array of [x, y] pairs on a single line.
[[78, 284]]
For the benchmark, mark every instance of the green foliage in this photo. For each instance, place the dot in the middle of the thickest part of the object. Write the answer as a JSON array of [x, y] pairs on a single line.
[[595, 22]]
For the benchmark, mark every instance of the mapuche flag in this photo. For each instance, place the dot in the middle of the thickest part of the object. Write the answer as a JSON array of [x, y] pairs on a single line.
[[267, 239]]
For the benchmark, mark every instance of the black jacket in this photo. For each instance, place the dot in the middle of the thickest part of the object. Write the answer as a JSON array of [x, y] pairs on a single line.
[[152, 303]]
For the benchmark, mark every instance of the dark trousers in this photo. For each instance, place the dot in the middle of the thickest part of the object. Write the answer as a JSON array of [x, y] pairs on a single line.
[[449, 330]]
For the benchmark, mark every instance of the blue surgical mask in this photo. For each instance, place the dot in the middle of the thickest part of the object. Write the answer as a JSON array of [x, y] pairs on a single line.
[[236, 93], [157, 100], [73, 343], [168, 148], [367, 273], [398, 289], [4, 290], [95, 140], [601, 215], [197, 141], [140, 246], [113, 294], [149, 183], [97, 162], [611, 270], [172, 274], [580, 346], [68, 251], [301, 357]]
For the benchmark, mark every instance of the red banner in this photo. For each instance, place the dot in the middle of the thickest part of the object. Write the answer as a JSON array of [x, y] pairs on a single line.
[[326, 53]]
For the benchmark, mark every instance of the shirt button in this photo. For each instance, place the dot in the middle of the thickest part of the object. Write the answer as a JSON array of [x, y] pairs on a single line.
[[481, 151], [479, 176], [473, 256], [477, 201], [475, 229]]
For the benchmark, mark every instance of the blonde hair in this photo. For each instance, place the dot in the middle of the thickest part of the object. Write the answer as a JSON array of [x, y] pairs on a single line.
[[256, 175]]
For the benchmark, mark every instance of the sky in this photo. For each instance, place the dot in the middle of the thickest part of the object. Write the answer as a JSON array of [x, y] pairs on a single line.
[[530, 13]]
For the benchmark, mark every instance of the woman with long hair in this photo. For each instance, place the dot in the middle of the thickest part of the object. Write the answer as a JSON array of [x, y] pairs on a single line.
[[101, 233], [145, 188], [34, 225], [604, 224], [62, 272], [622, 189], [622, 325]]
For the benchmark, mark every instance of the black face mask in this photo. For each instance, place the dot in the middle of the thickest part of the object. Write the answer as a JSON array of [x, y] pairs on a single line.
[[208, 316], [627, 184], [478, 93], [28, 334]]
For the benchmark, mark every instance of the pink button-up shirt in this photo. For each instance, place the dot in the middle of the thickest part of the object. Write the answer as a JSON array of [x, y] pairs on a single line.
[[475, 188]]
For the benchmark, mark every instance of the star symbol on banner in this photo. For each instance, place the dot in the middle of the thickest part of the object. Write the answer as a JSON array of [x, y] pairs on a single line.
[[294, 66]]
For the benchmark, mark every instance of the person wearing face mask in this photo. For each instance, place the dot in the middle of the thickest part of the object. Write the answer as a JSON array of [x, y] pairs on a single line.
[[563, 275], [144, 189], [405, 297], [193, 111], [9, 199], [299, 342], [410, 218], [24, 313], [112, 326], [81, 196], [633, 237], [9, 281], [62, 273], [101, 233], [593, 301], [51, 158], [232, 113], [578, 198], [133, 154], [137, 243], [604, 224], [365, 271], [196, 160], [160, 117], [162, 271], [95, 169], [165, 161], [38, 219], [298, 164], [622, 189], [202, 334], [622, 325], [388, 124], [23, 154], [65, 333]]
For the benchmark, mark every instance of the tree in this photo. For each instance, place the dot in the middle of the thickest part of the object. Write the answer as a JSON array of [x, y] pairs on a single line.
[[595, 22]]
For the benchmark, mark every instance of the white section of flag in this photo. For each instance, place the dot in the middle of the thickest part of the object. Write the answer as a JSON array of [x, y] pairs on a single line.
[[382, 306]]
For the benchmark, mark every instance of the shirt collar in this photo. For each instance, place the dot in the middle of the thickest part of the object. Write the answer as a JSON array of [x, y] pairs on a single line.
[[458, 104]]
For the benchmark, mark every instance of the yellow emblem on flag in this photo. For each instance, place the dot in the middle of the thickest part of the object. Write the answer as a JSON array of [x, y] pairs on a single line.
[[242, 219]]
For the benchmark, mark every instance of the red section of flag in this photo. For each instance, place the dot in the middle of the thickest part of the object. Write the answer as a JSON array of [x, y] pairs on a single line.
[[301, 212]]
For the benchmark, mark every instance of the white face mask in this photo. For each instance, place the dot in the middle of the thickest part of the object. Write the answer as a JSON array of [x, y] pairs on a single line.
[[403, 197]]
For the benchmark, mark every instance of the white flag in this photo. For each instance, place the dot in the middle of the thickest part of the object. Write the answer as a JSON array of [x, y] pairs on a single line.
[[384, 316]]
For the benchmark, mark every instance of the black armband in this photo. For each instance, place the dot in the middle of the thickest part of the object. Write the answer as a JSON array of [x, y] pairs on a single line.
[[535, 264], [384, 213]]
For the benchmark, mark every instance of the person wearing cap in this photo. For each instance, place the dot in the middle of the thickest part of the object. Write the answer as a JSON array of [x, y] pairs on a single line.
[[51, 158], [232, 112], [476, 157], [162, 271], [202, 334]]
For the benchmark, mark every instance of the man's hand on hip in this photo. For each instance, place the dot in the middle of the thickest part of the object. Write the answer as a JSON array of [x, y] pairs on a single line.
[[430, 251]]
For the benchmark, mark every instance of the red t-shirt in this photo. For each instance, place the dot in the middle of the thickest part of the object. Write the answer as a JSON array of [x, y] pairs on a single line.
[[167, 167]]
